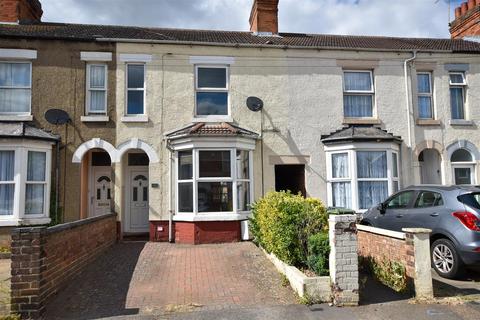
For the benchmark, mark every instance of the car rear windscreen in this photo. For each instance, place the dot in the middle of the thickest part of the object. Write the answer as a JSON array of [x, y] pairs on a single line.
[[470, 199]]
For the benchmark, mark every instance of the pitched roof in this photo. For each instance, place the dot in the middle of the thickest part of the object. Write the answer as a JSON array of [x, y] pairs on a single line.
[[23, 130], [359, 133], [83, 32], [211, 129]]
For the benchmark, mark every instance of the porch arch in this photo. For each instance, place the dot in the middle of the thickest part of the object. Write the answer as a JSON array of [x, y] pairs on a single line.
[[138, 144], [463, 144], [94, 144], [428, 144]]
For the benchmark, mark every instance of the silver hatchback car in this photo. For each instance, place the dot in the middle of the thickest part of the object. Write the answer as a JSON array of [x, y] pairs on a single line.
[[453, 214]]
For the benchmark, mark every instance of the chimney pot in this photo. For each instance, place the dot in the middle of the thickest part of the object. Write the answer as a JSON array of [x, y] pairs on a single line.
[[464, 8], [264, 17], [458, 12], [471, 4], [15, 11]]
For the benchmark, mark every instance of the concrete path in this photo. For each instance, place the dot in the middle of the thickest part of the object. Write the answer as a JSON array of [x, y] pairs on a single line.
[[4, 286], [161, 279]]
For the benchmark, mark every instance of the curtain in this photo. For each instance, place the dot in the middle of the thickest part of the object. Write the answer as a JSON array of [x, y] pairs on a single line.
[[372, 164], [36, 166], [34, 198], [342, 194], [425, 107], [97, 100], [423, 83], [357, 81], [242, 164], [371, 193], [7, 167], [395, 165], [340, 165], [456, 102], [14, 100], [97, 77], [14, 74], [357, 105]]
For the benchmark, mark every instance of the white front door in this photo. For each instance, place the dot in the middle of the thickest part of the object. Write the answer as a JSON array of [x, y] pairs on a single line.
[[101, 191], [137, 206]]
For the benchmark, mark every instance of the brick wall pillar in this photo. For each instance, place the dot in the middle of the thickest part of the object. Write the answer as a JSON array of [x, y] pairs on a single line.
[[343, 259], [28, 258], [422, 275]]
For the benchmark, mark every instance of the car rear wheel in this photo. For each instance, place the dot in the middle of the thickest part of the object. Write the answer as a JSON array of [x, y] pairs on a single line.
[[445, 259]]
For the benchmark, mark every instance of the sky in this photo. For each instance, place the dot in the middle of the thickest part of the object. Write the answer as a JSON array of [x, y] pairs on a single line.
[[410, 18]]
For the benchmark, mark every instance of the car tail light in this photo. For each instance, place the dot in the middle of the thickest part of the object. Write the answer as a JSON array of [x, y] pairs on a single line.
[[468, 219]]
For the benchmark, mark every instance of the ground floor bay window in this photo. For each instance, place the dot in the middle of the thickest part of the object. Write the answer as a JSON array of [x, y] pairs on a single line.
[[24, 182], [361, 175], [213, 182]]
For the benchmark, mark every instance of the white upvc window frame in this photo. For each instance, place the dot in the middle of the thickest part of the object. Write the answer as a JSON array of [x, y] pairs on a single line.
[[196, 179], [21, 149], [370, 92], [472, 165], [352, 149], [28, 113], [89, 89], [462, 85], [428, 95], [207, 89], [144, 89]]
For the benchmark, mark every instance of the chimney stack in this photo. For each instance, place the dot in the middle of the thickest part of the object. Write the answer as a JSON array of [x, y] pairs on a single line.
[[264, 17], [467, 20], [17, 11]]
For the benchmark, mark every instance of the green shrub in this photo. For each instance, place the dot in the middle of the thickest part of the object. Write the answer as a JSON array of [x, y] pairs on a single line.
[[318, 253], [283, 222]]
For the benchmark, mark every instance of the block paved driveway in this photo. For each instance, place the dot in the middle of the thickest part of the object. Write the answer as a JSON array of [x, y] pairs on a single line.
[[161, 279]]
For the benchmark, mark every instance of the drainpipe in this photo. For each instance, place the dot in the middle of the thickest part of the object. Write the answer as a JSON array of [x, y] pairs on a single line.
[[407, 95], [170, 210]]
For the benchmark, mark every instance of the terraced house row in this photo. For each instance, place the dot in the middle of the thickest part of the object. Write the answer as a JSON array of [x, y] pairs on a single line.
[[179, 131]]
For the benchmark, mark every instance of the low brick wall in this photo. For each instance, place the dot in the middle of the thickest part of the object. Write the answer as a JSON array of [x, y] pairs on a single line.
[[410, 248], [202, 232], [390, 245], [45, 259]]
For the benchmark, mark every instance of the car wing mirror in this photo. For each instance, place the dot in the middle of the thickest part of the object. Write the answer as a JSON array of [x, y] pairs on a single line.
[[381, 208]]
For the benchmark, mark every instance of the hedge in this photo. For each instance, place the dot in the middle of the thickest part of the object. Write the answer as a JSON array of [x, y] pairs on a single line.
[[293, 228]]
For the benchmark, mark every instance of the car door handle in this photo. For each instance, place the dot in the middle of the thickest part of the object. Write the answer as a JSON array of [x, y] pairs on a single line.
[[399, 215], [434, 214]]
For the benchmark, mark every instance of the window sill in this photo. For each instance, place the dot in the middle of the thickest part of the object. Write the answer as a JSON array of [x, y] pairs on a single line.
[[92, 118], [213, 119], [135, 118], [4, 117], [24, 222], [211, 217], [428, 122], [460, 122], [361, 121]]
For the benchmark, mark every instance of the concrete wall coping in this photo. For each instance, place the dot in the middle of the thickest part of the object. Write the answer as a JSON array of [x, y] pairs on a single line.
[[63, 226], [416, 230], [383, 232], [342, 217]]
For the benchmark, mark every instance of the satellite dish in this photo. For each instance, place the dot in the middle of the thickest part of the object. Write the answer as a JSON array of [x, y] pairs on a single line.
[[57, 116], [255, 104]]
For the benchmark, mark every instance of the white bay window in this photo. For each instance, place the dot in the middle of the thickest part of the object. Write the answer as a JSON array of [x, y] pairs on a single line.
[[24, 183], [361, 175], [213, 182]]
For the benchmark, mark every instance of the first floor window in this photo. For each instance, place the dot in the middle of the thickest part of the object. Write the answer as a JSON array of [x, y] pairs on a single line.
[[7, 183], [360, 179], [135, 89], [15, 87], [424, 91], [211, 85], [358, 94], [213, 181], [96, 88], [457, 95]]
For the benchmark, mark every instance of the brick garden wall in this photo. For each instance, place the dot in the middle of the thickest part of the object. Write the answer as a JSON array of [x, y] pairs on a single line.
[[383, 246], [45, 259], [207, 232]]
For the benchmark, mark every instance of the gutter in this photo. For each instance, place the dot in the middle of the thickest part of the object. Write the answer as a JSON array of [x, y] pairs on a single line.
[[258, 45], [407, 95]]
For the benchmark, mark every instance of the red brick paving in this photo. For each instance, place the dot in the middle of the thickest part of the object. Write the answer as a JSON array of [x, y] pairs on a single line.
[[159, 278]]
